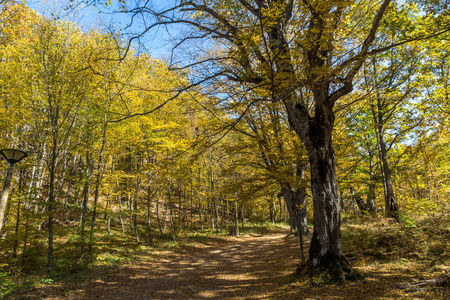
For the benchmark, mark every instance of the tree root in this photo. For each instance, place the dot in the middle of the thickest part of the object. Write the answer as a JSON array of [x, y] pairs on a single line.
[[333, 271], [443, 281]]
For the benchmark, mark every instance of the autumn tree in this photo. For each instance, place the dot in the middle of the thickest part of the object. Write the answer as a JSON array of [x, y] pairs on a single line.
[[304, 54]]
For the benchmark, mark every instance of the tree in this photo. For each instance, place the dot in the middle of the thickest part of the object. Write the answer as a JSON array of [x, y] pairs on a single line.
[[304, 54]]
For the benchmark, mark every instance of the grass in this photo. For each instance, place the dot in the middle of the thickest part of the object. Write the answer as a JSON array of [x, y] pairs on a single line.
[[73, 265], [385, 253]]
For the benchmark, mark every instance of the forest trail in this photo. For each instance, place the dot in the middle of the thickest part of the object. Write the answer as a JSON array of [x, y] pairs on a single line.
[[253, 266]]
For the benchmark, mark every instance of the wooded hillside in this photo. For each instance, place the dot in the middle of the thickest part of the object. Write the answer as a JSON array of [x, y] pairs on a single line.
[[304, 113]]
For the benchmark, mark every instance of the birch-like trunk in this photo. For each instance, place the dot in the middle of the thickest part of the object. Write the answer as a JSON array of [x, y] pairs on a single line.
[[5, 194]]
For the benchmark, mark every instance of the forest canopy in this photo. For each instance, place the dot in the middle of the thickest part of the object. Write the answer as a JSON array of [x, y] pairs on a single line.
[[303, 112]]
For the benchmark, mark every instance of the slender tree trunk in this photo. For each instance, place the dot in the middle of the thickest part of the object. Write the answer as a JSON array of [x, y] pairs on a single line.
[[25, 238], [236, 218], [200, 214], [165, 207], [169, 204], [16, 230], [192, 201], [272, 211], [5, 195], [157, 205], [296, 205], [391, 206], [180, 205], [97, 186], [223, 216], [149, 225], [371, 190], [242, 216], [216, 213], [288, 196], [135, 201], [86, 191], [109, 224], [200, 198], [51, 201], [121, 213], [41, 173], [280, 218]]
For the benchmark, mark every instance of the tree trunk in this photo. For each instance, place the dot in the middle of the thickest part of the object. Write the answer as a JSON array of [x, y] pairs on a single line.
[[97, 186], [242, 216], [391, 206], [296, 205], [371, 191], [120, 213], [157, 205], [135, 201], [169, 205], [51, 201], [86, 191], [16, 231], [149, 225], [192, 202], [325, 251], [271, 211], [236, 219], [5, 194], [289, 200], [326, 248]]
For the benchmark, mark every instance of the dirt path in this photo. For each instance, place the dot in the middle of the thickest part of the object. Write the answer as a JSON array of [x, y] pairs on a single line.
[[250, 267]]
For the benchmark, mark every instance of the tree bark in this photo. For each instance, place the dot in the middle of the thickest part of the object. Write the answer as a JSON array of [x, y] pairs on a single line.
[[149, 225], [316, 133], [5, 194], [391, 206], [371, 191], [86, 191], [236, 219], [326, 247], [296, 204], [97, 186], [51, 201], [157, 205]]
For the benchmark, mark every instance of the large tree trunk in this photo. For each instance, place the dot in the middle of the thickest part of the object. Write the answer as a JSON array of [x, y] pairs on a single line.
[[326, 248], [325, 251]]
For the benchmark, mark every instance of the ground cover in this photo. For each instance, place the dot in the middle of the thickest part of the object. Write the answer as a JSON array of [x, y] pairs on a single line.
[[260, 264]]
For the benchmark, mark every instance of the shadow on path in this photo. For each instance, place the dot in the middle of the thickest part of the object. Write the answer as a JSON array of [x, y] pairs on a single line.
[[250, 267]]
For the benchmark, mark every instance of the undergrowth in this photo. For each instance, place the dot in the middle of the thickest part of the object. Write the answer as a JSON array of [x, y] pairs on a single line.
[[74, 265], [384, 253]]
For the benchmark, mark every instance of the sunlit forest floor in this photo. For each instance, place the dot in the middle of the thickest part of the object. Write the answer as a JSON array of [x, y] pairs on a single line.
[[260, 264]]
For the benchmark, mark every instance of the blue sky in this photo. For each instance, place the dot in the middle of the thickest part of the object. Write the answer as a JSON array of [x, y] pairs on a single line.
[[91, 17]]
